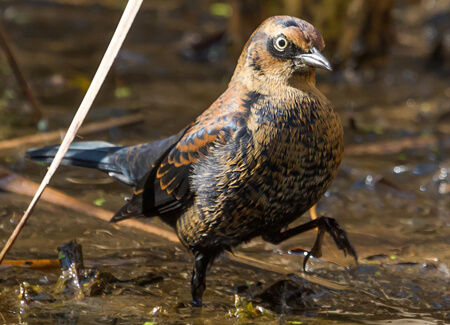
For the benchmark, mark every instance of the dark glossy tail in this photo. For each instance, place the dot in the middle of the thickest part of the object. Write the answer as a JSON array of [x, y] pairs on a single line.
[[126, 164], [92, 154]]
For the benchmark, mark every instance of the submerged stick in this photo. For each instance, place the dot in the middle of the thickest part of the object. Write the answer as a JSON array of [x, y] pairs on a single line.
[[14, 183], [32, 264], [56, 135], [116, 42], [15, 67], [395, 146], [249, 261]]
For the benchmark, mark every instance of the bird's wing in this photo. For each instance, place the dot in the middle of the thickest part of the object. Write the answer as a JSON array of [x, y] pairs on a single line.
[[131, 164], [166, 187]]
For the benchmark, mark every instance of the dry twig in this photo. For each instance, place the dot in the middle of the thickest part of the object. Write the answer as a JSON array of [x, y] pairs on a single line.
[[53, 136], [13, 63]]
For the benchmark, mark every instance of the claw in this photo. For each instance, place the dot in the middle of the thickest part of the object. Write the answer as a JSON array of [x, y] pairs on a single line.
[[197, 301], [198, 287], [339, 236], [305, 260]]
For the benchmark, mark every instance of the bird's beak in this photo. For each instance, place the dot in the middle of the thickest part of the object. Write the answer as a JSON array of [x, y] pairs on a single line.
[[315, 59]]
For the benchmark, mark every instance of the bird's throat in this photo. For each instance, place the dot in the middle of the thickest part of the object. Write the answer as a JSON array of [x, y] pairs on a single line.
[[303, 79]]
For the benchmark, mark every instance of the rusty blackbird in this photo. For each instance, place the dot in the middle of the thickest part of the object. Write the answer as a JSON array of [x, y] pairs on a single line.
[[257, 159]]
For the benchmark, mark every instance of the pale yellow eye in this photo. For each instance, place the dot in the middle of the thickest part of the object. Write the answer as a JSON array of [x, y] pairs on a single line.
[[281, 44]]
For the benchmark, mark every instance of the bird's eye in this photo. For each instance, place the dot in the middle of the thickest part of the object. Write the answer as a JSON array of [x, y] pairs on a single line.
[[281, 44]]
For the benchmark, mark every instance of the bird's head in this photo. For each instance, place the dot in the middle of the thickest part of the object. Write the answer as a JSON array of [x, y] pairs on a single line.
[[281, 49]]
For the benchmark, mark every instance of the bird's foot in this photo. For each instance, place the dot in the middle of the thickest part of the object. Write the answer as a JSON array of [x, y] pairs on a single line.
[[198, 280], [338, 234], [197, 295]]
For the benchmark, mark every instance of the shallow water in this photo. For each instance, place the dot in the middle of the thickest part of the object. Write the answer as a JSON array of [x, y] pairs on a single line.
[[395, 207]]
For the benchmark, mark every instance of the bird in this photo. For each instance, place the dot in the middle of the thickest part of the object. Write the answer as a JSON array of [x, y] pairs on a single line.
[[256, 160]]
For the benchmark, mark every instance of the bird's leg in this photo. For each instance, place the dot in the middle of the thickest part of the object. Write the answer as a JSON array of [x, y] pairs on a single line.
[[324, 224], [198, 281]]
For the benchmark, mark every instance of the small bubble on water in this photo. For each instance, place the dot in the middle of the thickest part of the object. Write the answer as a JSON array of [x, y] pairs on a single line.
[[430, 33], [444, 173], [411, 102], [400, 169], [429, 4], [368, 180], [389, 79], [447, 92]]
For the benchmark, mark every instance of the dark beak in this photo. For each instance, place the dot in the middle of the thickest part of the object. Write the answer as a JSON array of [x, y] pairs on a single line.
[[315, 59]]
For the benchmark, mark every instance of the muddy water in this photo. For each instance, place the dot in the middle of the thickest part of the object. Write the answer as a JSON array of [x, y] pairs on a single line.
[[395, 207]]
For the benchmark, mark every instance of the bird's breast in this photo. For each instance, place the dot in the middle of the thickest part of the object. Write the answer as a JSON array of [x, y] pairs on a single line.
[[268, 174], [297, 158]]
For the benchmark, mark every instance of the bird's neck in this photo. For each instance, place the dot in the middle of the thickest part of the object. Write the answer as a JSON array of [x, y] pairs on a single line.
[[291, 109], [292, 102], [274, 85]]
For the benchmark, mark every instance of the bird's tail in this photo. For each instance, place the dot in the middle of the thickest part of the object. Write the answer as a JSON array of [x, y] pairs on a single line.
[[91, 154], [126, 164]]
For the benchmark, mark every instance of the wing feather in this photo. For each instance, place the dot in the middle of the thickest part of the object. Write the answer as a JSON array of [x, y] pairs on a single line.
[[166, 187]]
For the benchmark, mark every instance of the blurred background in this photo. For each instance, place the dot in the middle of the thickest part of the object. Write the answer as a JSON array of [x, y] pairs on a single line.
[[391, 87]]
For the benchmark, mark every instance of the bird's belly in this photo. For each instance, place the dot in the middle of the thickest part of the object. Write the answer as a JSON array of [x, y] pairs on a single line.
[[289, 183], [285, 183], [270, 191]]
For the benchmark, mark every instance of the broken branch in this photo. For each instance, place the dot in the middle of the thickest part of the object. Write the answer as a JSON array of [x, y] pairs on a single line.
[[53, 136], [13, 63], [396, 146]]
